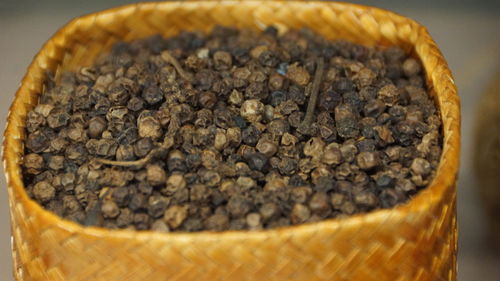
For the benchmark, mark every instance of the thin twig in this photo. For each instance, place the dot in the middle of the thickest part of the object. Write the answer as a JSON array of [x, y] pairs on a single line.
[[137, 163], [166, 56], [313, 98], [160, 151]]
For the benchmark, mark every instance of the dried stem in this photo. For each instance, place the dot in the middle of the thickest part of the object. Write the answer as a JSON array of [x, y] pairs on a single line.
[[313, 98], [137, 163], [166, 56]]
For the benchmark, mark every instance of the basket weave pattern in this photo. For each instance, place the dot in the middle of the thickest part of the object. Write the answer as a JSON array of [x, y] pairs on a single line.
[[415, 241]]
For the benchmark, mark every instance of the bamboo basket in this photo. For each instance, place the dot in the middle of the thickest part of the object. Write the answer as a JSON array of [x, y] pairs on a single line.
[[414, 241]]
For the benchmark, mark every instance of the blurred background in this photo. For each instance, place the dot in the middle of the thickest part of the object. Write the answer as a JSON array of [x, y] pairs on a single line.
[[467, 31]]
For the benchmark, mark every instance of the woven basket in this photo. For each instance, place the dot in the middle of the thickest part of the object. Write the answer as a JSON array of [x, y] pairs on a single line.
[[415, 241]]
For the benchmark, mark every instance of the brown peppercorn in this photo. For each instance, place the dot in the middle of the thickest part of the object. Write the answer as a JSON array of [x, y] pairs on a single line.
[[373, 108], [175, 216], [157, 205], [300, 194], [278, 127], [125, 218], [44, 109], [346, 122], [238, 206], [236, 98], [276, 81], [217, 222], [149, 127], [58, 144], [384, 135], [57, 118], [220, 141], [389, 95], [242, 169], [96, 126], [141, 221], [207, 99], [160, 226], [204, 118], [367, 160], [175, 182], [233, 135], [210, 158], [266, 147], [269, 211], [253, 221], [109, 209], [348, 208], [364, 77], [199, 193], [250, 135], [37, 141], [319, 204], [314, 148], [289, 139], [77, 134], [245, 183], [177, 161], [287, 107], [252, 110], [156, 175], [70, 204], [152, 94], [332, 154], [411, 67], [223, 60], [328, 100], [56, 162], [298, 75], [256, 161], [421, 166], [44, 192], [116, 113], [268, 58], [121, 196], [34, 121], [300, 213], [405, 185], [337, 199], [125, 153], [257, 51], [295, 119], [366, 199], [135, 104], [324, 183], [348, 151], [33, 163], [142, 147], [209, 177], [288, 166]]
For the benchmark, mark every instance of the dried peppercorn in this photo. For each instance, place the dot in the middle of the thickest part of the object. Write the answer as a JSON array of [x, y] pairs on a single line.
[[109, 209]]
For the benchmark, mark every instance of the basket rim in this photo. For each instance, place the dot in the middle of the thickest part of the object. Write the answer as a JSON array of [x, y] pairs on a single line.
[[445, 177]]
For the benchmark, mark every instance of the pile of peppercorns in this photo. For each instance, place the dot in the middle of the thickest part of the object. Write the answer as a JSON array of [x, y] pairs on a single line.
[[232, 130]]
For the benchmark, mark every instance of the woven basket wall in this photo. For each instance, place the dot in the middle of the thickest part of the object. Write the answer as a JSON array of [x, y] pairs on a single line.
[[415, 241]]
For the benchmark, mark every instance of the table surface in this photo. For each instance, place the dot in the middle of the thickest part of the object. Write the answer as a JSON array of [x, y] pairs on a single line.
[[468, 38]]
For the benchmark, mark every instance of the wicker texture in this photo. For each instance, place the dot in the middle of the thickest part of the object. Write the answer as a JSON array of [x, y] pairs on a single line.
[[415, 241]]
